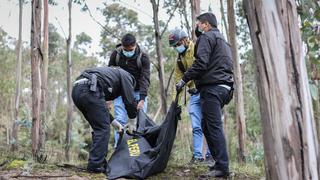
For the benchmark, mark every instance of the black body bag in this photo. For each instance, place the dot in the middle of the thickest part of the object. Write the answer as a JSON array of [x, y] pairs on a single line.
[[147, 151]]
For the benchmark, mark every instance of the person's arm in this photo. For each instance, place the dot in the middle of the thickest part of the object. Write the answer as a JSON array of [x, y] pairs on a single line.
[[178, 74], [202, 57], [112, 60], [189, 60], [144, 80], [127, 93]]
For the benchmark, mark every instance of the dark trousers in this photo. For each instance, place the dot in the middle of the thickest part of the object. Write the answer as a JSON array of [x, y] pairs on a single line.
[[213, 98], [93, 107]]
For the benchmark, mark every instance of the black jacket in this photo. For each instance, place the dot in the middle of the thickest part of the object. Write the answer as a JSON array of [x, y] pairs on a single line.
[[142, 75], [115, 82], [213, 61]]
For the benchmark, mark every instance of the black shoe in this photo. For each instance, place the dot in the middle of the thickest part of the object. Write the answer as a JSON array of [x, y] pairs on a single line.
[[96, 170], [218, 173]]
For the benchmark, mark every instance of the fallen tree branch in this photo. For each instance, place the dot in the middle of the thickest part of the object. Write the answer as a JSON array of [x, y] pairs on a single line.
[[40, 176], [70, 166]]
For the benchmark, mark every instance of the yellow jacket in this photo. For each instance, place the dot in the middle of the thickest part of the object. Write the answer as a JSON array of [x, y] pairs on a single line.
[[187, 60]]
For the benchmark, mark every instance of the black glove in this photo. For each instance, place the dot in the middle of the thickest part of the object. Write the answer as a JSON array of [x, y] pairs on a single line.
[[180, 85], [193, 91]]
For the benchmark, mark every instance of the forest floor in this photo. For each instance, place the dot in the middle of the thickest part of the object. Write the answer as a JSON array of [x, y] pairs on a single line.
[[21, 169]]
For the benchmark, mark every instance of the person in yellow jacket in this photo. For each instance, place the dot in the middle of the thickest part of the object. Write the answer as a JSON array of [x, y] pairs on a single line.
[[178, 39]]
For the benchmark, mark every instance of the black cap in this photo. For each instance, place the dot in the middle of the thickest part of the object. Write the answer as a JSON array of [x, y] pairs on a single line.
[[209, 17]]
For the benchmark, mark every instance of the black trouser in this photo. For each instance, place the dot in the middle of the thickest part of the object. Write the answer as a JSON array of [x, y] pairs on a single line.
[[93, 107], [212, 100]]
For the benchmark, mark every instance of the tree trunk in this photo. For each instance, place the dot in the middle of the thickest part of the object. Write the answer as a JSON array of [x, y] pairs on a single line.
[[185, 16], [155, 8], [315, 102], [44, 75], [36, 58], [226, 132], [289, 135], [15, 128], [239, 104], [195, 11], [223, 20], [69, 100]]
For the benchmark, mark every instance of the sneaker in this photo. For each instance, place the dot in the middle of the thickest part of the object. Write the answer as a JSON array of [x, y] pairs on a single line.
[[196, 160], [210, 162], [218, 173]]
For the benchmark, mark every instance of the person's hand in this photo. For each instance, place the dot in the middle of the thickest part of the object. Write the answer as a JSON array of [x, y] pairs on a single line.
[[140, 105], [193, 91], [117, 126], [180, 85], [131, 125], [109, 104]]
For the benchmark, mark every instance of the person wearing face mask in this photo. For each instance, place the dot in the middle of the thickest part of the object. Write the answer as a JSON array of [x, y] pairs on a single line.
[[130, 57], [178, 39], [212, 72]]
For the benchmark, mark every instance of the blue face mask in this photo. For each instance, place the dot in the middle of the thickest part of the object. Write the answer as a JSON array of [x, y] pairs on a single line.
[[128, 53], [181, 48]]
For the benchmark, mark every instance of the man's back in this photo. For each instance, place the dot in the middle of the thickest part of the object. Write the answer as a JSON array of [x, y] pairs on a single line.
[[213, 64]]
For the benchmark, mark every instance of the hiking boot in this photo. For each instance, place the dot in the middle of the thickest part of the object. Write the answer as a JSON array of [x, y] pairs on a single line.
[[218, 173]]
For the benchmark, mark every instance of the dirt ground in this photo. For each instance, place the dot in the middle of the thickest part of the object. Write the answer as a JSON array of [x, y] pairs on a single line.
[[65, 172]]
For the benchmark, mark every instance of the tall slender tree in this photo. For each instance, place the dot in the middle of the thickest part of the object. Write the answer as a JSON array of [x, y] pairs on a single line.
[[155, 8], [44, 74], [289, 135], [15, 129], [239, 104], [195, 11], [36, 58], [69, 100]]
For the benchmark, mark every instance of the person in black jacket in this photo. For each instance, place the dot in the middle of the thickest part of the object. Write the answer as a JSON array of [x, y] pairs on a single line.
[[90, 92], [212, 72], [130, 57]]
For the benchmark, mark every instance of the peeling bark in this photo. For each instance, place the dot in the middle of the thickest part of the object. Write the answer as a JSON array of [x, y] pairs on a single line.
[[289, 135], [36, 58]]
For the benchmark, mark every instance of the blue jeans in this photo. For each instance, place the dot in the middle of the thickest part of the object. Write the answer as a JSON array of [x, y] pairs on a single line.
[[120, 113], [197, 135]]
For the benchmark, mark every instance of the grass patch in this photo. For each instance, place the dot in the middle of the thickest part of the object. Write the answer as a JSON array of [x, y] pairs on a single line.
[[15, 164]]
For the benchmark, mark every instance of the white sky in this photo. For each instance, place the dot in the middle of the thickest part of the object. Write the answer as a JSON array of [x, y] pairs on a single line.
[[81, 21]]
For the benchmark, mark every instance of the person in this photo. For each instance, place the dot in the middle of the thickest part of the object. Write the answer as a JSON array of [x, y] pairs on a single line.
[[130, 57], [178, 39], [90, 92], [213, 75]]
